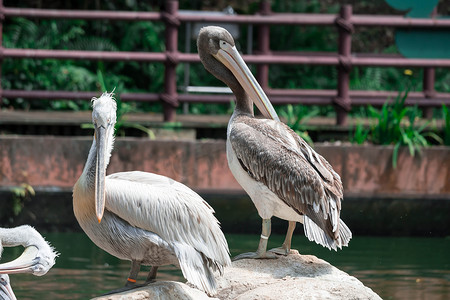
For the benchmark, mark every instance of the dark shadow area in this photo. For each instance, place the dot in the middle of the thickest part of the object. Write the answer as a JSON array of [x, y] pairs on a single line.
[[52, 211]]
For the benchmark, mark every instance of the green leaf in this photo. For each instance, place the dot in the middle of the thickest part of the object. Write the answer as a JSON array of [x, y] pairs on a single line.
[[395, 155]]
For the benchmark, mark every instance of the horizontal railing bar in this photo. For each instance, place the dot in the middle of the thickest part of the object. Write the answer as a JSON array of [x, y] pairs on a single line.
[[399, 62], [251, 59], [311, 97], [351, 61], [422, 102], [398, 21], [273, 19], [352, 93], [140, 97], [52, 95], [81, 14], [78, 54]]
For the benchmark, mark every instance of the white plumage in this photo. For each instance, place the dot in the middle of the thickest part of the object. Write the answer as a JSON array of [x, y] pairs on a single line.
[[148, 218], [38, 257]]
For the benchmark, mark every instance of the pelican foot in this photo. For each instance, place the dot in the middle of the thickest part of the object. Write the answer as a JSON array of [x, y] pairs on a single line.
[[254, 255], [280, 251]]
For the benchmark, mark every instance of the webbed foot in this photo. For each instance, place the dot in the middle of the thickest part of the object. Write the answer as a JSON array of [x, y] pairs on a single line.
[[254, 255], [280, 251]]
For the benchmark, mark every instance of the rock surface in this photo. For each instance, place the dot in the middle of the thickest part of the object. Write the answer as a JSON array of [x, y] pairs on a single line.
[[160, 290], [288, 277]]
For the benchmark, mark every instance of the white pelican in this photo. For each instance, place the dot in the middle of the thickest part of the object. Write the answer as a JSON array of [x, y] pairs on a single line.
[[146, 218], [37, 258], [6, 292], [282, 174]]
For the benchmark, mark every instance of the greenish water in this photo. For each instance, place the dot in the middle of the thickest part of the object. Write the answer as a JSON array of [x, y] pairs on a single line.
[[395, 268]]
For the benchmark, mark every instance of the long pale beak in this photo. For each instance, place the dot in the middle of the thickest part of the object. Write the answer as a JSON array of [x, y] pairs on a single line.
[[25, 263], [100, 172], [5, 287], [230, 57]]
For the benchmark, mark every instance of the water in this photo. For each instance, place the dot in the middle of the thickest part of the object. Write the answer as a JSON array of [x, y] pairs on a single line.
[[395, 268]]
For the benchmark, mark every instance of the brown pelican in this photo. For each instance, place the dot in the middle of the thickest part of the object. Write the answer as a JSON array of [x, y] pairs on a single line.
[[146, 218], [282, 174], [37, 258]]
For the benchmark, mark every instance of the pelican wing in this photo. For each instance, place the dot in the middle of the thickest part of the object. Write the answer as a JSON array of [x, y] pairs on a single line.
[[273, 154], [168, 208]]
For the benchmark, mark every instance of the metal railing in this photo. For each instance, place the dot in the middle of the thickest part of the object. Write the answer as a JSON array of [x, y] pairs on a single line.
[[342, 98]]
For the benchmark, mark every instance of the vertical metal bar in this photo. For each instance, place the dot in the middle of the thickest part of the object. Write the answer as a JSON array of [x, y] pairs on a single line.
[[428, 89], [2, 17], [343, 101], [187, 66], [262, 73], [250, 39], [170, 96], [428, 82]]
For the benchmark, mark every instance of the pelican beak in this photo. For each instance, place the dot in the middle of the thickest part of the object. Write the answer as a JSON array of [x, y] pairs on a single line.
[[6, 290], [230, 57], [28, 262], [100, 172]]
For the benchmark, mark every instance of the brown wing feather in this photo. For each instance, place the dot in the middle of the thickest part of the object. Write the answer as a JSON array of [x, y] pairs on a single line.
[[273, 154]]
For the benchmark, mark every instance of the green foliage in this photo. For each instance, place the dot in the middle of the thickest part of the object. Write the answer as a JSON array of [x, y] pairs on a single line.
[[20, 195], [446, 118], [369, 79], [396, 126], [51, 74], [360, 134]]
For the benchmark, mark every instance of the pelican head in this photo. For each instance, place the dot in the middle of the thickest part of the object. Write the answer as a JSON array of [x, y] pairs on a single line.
[[6, 292], [38, 256], [220, 57], [104, 119]]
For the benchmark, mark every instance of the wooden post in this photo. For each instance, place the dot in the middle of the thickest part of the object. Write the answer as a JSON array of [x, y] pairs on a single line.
[[343, 101], [170, 96], [262, 73]]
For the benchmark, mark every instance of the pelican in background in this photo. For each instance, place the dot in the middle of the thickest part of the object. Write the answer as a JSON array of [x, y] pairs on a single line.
[[6, 292], [281, 173], [146, 218], [38, 257]]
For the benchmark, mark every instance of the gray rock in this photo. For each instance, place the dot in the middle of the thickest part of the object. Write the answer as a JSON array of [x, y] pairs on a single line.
[[160, 290], [289, 277]]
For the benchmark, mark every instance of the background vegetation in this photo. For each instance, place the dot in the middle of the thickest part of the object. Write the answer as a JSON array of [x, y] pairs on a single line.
[[147, 36]]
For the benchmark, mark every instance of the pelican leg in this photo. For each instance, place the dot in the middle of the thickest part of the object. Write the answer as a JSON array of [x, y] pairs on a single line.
[[152, 274], [134, 271], [286, 247], [131, 280], [261, 252]]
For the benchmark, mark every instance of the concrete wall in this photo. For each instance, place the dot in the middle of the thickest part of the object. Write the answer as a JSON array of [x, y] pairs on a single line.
[[410, 200], [366, 171]]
